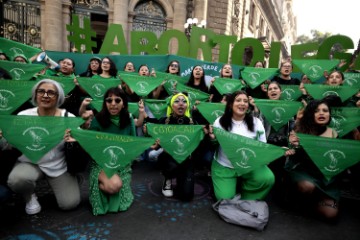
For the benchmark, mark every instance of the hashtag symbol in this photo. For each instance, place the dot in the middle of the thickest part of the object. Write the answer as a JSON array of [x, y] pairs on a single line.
[[81, 35]]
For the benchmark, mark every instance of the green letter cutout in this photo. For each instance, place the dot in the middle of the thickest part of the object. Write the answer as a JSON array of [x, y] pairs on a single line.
[[115, 31], [143, 41], [239, 49], [196, 43], [183, 44]]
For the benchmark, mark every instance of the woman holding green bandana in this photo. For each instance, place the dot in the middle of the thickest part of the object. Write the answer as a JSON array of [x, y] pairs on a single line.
[[239, 120], [178, 112]]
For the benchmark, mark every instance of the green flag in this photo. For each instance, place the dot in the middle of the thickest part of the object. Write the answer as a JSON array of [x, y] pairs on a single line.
[[34, 136], [277, 112], [156, 107], [315, 68], [111, 151], [97, 104], [13, 94], [256, 76], [290, 92], [246, 154], [330, 155], [171, 81], [193, 94], [67, 83], [211, 111], [319, 91], [96, 87], [142, 85], [12, 48], [226, 85], [178, 140], [352, 80], [21, 71], [345, 119]]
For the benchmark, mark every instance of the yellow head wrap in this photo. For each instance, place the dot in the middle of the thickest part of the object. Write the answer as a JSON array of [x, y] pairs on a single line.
[[169, 109]]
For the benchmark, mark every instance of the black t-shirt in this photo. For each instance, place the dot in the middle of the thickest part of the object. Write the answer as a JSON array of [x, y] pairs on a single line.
[[281, 81]]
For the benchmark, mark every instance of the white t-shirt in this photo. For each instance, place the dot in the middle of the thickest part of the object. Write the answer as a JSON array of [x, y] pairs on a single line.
[[53, 163], [239, 127]]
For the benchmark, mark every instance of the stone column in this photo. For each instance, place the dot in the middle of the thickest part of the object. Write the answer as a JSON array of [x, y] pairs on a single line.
[[66, 16], [120, 15], [52, 25], [200, 9]]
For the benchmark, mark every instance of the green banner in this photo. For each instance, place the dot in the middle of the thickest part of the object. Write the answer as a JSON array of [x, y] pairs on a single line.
[[141, 85], [227, 85], [11, 48], [35, 136], [352, 80], [178, 140], [246, 154], [331, 156], [21, 71], [111, 151], [13, 94], [211, 111], [96, 87], [193, 94], [277, 112], [256, 76], [314, 68], [290, 92], [67, 83], [345, 119], [156, 107], [319, 91]]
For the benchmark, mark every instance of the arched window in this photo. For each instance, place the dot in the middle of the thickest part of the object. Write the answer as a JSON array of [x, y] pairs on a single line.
[[149, 16]]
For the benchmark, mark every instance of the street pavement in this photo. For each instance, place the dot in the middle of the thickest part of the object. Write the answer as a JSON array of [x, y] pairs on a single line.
[[154, 217]]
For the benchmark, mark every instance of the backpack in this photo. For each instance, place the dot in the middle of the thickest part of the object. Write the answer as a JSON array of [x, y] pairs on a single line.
[[248, 213]]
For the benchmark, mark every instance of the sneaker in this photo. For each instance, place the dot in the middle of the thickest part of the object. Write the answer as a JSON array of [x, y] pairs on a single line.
[[32, 206], [167, 190]]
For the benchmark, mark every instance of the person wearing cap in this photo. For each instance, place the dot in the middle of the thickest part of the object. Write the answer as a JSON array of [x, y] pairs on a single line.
[[93, 68], [20, 58], [178, 112]]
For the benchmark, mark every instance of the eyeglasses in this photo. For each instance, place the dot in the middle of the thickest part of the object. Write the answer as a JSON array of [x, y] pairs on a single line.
[[174, 65], [105, 62], [49, 93], [110, 100]]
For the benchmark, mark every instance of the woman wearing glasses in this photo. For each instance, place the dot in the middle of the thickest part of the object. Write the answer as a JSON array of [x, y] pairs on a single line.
[[108, 69], [47, 96], [112, 194]]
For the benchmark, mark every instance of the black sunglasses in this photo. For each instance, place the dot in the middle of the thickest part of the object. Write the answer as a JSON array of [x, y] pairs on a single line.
[[110, 100], [174, 65]]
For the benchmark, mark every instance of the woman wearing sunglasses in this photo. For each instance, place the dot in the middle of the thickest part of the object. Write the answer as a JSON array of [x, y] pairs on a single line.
[[112, 194]]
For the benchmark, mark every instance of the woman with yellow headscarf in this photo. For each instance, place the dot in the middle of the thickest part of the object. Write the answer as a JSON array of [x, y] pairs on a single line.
[[178, 112]]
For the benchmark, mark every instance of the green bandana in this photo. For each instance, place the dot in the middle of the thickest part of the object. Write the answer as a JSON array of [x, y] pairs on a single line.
[[290, 92], [211, 111], [314, 68], [21, 71], [12, 48], [157, 107], [171, 80], [331, 156], [193, 94], [352, 80], [34, 136], [111, 151], [67, 83], [246, 154], [227, 85], [13, 94], [96, 87], [277, 112], [178, 140], [141, 85], [319, 91], [345, 119], [256, 76]]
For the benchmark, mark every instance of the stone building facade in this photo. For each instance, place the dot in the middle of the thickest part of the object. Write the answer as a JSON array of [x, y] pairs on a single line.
[[43, 23]]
